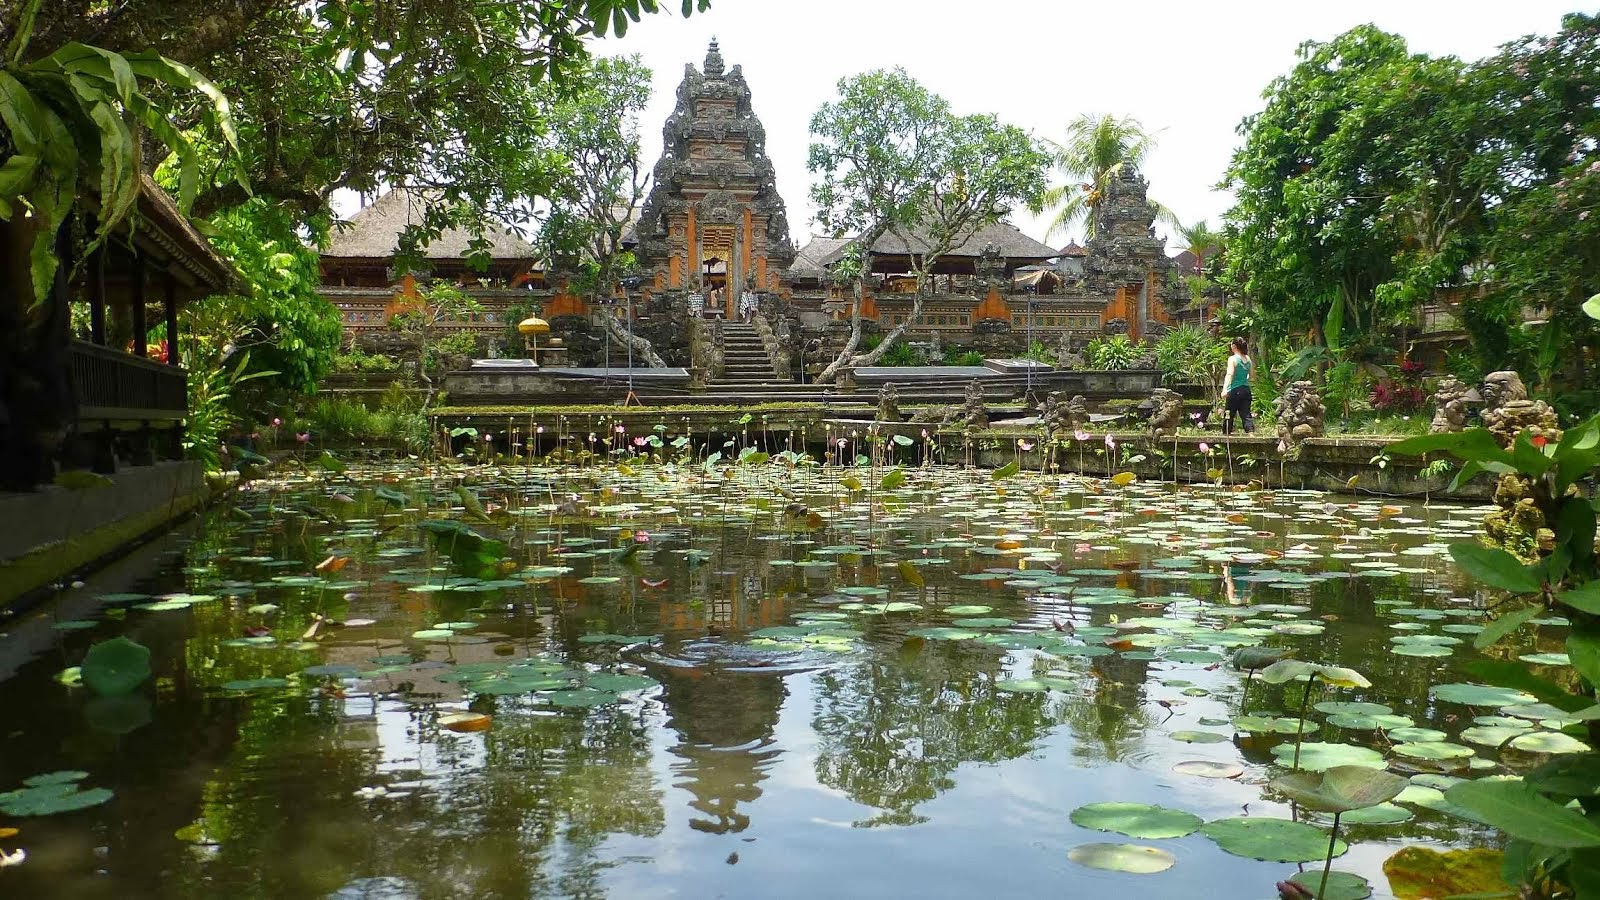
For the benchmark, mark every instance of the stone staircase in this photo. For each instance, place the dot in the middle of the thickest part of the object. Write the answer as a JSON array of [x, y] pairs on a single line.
[[744, 359]]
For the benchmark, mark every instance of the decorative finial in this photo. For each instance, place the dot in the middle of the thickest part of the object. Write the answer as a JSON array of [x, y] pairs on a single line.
[[713, 59]]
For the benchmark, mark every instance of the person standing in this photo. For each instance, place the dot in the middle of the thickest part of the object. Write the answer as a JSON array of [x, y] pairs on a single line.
[[697, 301], [1236, 396]]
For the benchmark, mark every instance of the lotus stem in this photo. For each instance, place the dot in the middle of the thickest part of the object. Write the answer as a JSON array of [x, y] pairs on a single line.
[[1327, 864], [1300, 729]]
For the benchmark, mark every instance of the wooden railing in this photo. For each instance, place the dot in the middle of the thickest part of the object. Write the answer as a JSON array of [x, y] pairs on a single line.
[[111, 385]]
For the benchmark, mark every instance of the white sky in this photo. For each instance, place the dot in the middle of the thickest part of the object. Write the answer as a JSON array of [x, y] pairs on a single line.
[[1189, 71]]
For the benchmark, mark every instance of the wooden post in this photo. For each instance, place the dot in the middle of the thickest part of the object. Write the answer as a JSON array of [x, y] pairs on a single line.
[[169, 305], [97, 297], [139, 327]]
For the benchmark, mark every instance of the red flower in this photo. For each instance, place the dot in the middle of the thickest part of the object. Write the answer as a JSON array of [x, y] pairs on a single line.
[[1540, 440]]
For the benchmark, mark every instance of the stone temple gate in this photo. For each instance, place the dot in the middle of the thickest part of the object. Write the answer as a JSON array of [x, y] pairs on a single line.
[[714, 217]]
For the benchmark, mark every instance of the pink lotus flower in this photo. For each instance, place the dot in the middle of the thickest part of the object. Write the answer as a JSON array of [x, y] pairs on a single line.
[[303, 437], [924, 434], [487, 438], [539, 430], [620, 429], [1111, 442], [1205, 448], [1081, 435], [640, 441], [641, 537], [277, 423], [842, 442], [1024, 445], [591, 437]]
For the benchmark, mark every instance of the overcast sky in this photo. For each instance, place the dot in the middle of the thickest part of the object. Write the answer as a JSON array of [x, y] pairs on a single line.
[[1188, 71]]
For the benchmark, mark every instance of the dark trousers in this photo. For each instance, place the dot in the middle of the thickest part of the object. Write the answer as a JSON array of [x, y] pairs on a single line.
[[1238, 403]]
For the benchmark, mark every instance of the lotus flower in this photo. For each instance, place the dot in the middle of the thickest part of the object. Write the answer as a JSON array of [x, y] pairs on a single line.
[[1205, 448], [539, 430], [1081, 435], [640, 441], [277, 422], [641, 537], [1111, 442], [620, 429], [1024, 445], [303, 437], [842, 442], [487, 438]]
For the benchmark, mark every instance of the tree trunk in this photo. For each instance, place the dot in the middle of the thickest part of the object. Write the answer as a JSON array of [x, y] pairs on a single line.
[[641, 344]]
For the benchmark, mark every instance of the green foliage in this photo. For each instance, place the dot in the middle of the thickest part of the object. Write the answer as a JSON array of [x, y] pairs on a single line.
[[891, 158], [1190, 354], [1096, 150], [336, 419], [76, 120], [357, 360], [1116, 351], [1550, 839], [903, 355], [213, 380], [594, 132], [955, 356], [290, 328]]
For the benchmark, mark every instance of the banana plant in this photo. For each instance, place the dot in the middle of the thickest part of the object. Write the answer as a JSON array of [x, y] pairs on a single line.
[[79, 115]]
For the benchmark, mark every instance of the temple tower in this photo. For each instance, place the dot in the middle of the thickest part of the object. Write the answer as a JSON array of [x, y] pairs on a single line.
[[714, 212]]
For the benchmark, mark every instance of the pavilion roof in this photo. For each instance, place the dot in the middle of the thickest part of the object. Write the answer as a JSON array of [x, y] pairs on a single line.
[[1012, 242], [374, 233], [810, 261]]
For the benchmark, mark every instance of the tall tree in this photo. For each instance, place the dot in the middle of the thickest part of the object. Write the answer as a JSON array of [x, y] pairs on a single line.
[[1201, 240], [594, 131], [891, 158], [1096, 150], [1315, 235]]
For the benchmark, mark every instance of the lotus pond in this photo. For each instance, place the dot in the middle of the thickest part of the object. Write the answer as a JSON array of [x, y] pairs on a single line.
[[758, 680]]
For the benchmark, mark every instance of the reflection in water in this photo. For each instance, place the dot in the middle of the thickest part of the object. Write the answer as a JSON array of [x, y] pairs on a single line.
[[893, 733], [221, 792], [724, 720]]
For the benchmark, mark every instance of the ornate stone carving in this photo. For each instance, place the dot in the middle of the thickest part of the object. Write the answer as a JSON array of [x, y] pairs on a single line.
[[1450, 398], [888, 403], [718, 208], [973, 412], [1166, 412], [1507, 411], [1300, 415], [1059, 414]]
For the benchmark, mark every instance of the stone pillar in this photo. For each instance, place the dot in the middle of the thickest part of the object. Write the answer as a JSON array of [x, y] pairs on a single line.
[[694, 249]]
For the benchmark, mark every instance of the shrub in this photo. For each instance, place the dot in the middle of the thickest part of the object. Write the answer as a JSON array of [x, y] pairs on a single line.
[[1191, 355], [338, 419], [903, 354], [955, 356], [1117, 351]]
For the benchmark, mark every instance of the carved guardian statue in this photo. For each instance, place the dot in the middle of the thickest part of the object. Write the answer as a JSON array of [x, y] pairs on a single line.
[[1166, 413], [1300, 415]]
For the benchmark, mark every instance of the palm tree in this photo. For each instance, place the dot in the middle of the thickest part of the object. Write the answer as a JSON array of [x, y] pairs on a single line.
[[1096, 149], [1200, 240]]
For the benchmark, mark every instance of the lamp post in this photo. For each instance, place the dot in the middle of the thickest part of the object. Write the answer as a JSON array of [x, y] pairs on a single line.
[[530, 329], [628, 284]]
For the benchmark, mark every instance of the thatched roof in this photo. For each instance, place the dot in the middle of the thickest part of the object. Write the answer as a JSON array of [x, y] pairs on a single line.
[[1013, 244], [808, 262], [1073, 249], [374, 233]]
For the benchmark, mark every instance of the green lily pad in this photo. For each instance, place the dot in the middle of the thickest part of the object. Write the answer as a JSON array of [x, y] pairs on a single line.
[[50, 799], [1412, 734], [1132, 859], [1139, 820], [1272, 840], [582, 697], [1353, 707], [115, 667], [1433, 750], [1340, 885], [1317, 756], [1549, 742], [1382, 814], [619, 684], [1199, 737], [64, 776], [985, 622], [968, 610], [1479, 695], [1340, 789]]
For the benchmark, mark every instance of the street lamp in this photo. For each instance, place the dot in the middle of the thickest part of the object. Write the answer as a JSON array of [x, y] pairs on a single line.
[[530, 329], [628, 284]]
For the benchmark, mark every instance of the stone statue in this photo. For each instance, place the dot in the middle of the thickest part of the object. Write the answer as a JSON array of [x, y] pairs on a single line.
[[1450, 399], [1058, 414], [1518, 525], [973, 412], [1507, 411], [888, 403], [1300, 414], [1166, 412]]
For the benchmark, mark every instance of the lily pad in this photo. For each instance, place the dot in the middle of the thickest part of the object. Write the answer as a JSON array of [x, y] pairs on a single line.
[[115, 667], [1272, 840], [1205, 768], [1133, 859], [1479, 694], [1340, 885], [1340, 789], [1549, 742], [1199, 737], [1317, 756], [1139, 820], [582, 697]]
